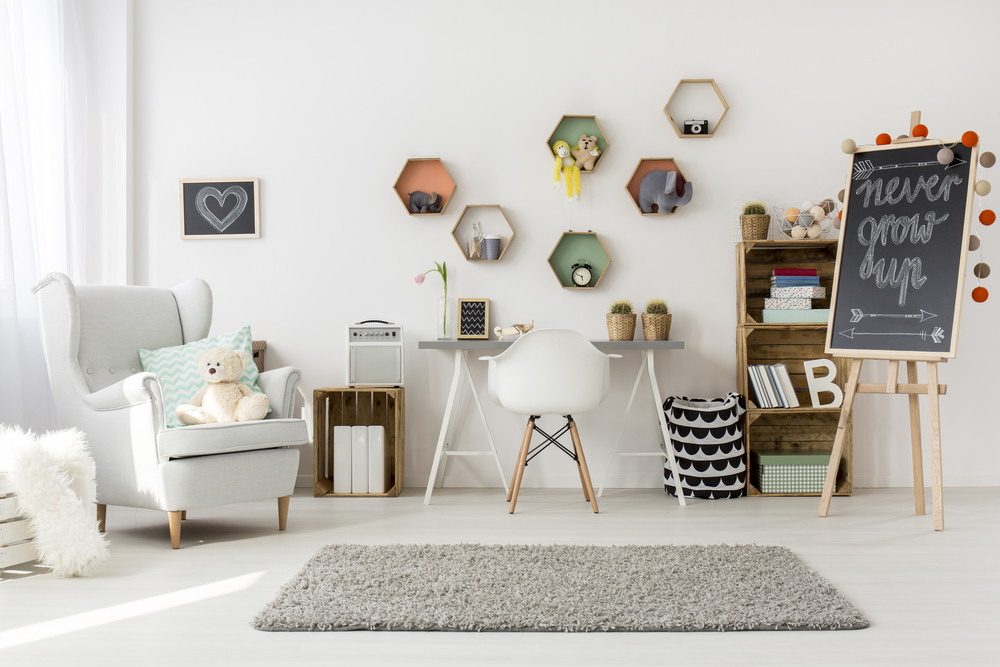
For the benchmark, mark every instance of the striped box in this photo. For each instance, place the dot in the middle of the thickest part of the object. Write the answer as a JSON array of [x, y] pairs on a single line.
[[801, 292], [790, 472], [787, 304]]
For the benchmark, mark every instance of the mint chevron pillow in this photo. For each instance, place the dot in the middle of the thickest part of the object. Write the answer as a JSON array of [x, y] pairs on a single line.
[[177, 368]]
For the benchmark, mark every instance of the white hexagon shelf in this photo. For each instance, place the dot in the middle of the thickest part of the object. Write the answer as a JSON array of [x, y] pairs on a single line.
[[492, 222], [696, 99]]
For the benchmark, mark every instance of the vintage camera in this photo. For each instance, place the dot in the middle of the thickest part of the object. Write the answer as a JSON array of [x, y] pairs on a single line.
[[696, 127]]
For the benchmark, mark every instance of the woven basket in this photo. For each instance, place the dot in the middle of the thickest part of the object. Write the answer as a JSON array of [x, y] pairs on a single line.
[[755, 226], [621, 326], [656, 326]]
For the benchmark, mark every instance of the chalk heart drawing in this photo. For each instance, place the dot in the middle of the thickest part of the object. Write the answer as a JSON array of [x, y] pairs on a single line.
[[231, 217]]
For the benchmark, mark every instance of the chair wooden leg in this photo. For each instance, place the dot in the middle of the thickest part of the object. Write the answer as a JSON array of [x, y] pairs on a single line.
[[522, 463], [283, 512], [583, 483], [102, 516], [588, 487], [175, 529]]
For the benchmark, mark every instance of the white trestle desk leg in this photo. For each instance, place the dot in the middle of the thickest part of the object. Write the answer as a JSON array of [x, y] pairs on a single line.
[[482, 415], [628, 410], [661, 419], [445, 424]]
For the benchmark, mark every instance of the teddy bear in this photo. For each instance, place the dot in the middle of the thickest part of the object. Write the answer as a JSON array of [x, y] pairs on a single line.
[[586, 152], [223, 398]]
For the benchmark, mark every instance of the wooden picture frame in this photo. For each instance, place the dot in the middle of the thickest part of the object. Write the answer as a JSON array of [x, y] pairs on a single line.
[[208, 209], [473, 319]]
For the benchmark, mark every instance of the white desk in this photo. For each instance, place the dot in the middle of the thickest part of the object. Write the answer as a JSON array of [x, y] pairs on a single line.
[[462, 376]]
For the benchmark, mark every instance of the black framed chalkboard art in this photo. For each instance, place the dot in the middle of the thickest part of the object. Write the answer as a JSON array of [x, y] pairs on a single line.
[[900, 272], [220, 208], [473, 318]]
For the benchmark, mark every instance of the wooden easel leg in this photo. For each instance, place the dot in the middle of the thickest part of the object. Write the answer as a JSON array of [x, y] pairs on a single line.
[[916, 440], [522, 462], [588, 487], [850, 390], [937, 491]]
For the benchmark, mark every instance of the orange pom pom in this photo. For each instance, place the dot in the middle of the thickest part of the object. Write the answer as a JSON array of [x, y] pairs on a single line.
[[884, 139], [919, 130], [987, 217], [970, 139], [840, 215], [980, 294]]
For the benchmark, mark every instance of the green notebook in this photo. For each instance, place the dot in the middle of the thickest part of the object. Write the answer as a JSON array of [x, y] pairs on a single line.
[[820, 315]]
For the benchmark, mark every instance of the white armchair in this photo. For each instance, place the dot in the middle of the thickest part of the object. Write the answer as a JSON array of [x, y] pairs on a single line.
[[91, 335]]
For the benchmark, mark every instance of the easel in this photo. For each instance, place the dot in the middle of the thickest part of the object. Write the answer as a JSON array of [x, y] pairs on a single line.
[[933, 390]]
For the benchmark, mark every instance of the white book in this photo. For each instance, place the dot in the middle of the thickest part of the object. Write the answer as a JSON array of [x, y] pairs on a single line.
[[786, 384], [772, 373], [772, 398], [342, 470], [376, 459], [758, 387], [359, 459]]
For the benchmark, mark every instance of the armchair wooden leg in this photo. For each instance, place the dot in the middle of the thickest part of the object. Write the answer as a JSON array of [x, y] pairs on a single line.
[[283, 512], [522, 462], [588, 487], [184, 515], [102, 516], [175, 529]]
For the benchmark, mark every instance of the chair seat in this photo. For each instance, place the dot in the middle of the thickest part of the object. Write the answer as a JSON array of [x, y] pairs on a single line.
[[205, 439]]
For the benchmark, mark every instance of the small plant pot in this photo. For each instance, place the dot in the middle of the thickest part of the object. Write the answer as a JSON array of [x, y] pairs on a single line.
[[755, 226], [621, 326], [656, 326]]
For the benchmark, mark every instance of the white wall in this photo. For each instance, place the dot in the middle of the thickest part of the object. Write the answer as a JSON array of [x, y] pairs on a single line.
[[324, 101]]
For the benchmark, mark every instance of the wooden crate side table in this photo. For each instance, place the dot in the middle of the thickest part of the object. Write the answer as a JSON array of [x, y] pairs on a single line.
[[358, 406]]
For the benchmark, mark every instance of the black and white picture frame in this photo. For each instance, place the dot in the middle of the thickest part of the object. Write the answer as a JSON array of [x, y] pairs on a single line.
[[220, 208], [473, 319]]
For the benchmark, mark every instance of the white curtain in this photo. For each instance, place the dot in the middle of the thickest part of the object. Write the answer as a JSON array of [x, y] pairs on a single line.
[[43, 185]]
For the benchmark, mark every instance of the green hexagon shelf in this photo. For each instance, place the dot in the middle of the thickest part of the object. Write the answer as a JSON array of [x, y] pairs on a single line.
[[646, 165], [426, 174], [573, 247], [569, 128], [694, 99]]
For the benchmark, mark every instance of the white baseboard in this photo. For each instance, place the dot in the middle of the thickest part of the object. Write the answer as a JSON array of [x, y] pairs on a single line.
[[890, 481]]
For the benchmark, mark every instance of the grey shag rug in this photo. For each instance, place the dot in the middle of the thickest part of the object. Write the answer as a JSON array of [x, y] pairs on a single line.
[[534, 588]]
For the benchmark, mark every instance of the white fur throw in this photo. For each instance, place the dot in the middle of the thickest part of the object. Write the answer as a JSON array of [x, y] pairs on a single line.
[[53, 478]]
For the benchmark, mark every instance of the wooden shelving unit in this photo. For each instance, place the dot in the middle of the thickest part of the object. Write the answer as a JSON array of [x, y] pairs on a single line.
[[358, 406], [786, 429]]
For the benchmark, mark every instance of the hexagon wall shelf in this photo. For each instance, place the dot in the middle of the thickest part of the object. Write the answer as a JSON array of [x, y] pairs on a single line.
[[574, 246], [426, 174], [646, 165], [493, 222], [569, 129], [694, 102]]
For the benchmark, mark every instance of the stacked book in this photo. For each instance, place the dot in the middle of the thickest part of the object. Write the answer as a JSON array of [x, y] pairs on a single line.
[[772, 386], [359, 459], [792, 292]]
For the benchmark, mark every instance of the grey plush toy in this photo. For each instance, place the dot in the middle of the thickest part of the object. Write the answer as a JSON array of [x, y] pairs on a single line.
[[421, 202], [660, 187]]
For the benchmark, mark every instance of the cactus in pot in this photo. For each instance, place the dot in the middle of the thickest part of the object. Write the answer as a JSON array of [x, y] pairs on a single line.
[[621, 320], [656, 320], [754, 221]]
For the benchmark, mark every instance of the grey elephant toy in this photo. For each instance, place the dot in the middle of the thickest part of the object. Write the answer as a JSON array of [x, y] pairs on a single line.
[[421, 202], [660, 187]]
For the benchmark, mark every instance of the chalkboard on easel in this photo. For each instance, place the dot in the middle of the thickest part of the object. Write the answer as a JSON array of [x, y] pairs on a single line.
[[900, 273]]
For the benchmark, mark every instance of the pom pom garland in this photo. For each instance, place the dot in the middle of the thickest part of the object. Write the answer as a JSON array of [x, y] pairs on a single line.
[[987, 159], [970, 139], [987, 217], [980, 294], [919, 130], [946, 156], [884, 139], [848, 146]]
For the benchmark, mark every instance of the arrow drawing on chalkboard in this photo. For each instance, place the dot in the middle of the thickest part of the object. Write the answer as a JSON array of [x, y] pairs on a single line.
[[864, 168], [936, 335], [856, 315]]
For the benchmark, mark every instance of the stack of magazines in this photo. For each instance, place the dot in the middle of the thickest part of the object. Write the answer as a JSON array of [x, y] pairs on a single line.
[[772, 386]]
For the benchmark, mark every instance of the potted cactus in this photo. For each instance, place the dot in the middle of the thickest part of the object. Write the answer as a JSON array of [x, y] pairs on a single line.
[[754, 221], [656, 320], [621, 320]]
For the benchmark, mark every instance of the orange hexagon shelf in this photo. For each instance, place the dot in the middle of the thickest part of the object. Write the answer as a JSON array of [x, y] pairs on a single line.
[[579, 248], [570, 129], [427, 175], [694, 99], [492, 221], [646, 165]]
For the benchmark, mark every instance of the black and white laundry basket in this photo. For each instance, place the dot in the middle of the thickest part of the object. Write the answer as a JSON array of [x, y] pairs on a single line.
[[707, 439]]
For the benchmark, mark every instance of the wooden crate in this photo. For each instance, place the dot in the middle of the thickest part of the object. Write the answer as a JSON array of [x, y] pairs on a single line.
[[16, 546], [755, 260], [358, 406], [787, 431]]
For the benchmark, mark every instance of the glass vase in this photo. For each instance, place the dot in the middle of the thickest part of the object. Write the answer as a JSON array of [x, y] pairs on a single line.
[[443, 322]]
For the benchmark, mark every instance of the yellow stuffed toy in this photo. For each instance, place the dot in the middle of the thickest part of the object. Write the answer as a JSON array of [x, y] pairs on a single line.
[[567, 166]]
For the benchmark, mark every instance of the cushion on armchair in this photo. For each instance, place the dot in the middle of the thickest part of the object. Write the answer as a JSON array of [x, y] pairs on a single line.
[[177, 368]]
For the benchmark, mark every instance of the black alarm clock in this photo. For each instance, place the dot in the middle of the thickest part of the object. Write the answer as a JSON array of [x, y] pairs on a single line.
[[582, 273]]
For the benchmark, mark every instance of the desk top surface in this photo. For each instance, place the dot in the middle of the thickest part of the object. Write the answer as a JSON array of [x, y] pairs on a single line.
[[504, 344]]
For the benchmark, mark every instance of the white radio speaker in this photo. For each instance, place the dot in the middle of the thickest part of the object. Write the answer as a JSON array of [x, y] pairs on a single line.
[[374, 354]]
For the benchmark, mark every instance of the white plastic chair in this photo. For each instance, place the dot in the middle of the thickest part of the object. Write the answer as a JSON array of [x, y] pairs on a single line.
[[550, 371]]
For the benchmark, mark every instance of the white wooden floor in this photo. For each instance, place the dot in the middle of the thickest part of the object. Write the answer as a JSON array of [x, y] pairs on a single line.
[[932, 598]]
